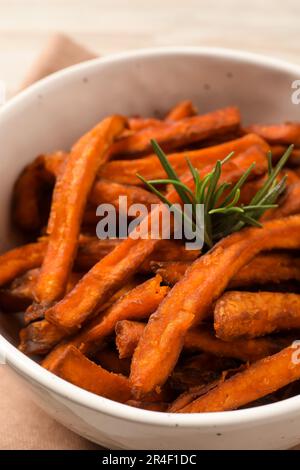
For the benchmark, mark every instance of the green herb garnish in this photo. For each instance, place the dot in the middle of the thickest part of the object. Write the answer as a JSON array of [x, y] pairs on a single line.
[[222, 214]]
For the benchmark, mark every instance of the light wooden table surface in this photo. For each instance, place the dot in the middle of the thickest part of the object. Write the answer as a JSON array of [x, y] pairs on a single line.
[[264, 26]]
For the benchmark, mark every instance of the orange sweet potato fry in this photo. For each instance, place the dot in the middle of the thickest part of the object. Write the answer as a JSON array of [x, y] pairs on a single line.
[[172, 135], [17, 261], [191, 395], [34, 311], [77, 369], [181, 110], [289, 204], [252, 314], [170, 271], [268, 268], [281, 134], [138, 303], [150, 406], [109, 273], [38, 337], [109, 192], [260, 379], [124, 171], [109, 360], [69, 200], [41, 336], [128, 334], [278, 151], [192, 297], [29, 196]]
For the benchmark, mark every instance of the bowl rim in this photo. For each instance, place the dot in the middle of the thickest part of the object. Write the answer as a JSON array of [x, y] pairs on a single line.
[[28, 368]]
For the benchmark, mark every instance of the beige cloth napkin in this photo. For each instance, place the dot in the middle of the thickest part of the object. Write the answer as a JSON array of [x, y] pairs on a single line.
[[23, 424]]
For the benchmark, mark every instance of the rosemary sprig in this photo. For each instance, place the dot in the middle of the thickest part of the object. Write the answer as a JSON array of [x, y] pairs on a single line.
[[223, 214]]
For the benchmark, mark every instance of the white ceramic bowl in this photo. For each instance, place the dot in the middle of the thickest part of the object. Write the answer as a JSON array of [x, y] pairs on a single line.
[[51, 115]]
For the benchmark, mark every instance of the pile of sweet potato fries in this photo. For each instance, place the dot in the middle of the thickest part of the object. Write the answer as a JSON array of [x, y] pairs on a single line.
[[146, 322]]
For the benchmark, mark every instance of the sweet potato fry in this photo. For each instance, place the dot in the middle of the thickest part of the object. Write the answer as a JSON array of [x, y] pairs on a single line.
[[17, 261], [69, 199], [191, 395], [109, 192], [29, 195], [109, 360], [170, 271], [128, 334], [191, 298], [181, 110], [109, 273], [179, 133], [41, 336], [253, 314], [18, 295], [289, 204], [260, 379], [137, 304], [267, 268], [281, 134], [38, 337], [124, 171], [150, 406], [278, 151], [34, 311], [77, 369]]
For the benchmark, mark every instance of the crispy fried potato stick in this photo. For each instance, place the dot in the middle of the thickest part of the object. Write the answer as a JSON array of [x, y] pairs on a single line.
[[110, 272], [170, 271], [192, 297], [91, 250], [69, 200], [260, 379], [289, 204], [253, 314], [281, 134], [74, 367], [28, 192], [109, 360], [17, 261], [192, 394], [124, 171], [137, 303], [181, 110], [278, 151], [40, 337], [109, 192], [177, 134], [35, 312], [265, 268], [128, 334], [150, 406]]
